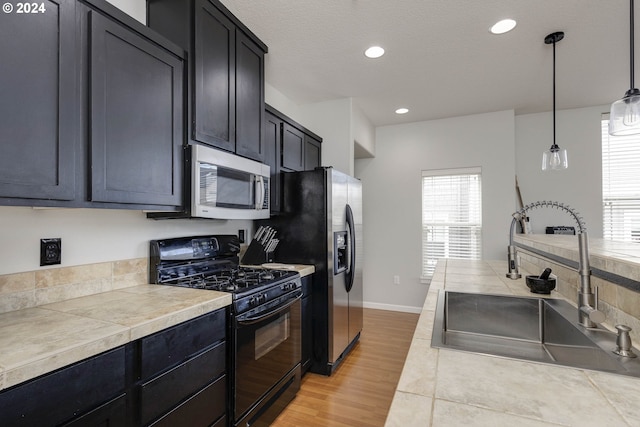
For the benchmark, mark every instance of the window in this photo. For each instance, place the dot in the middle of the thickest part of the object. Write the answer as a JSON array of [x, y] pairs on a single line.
[[620, 185], [451, 216]]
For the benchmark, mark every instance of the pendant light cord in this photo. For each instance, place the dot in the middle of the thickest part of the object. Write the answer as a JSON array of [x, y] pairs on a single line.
[[631, 37], [554, 92]]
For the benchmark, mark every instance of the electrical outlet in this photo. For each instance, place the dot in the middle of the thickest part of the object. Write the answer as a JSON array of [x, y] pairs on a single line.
[[242, 235], [396, 280], [50, 251]]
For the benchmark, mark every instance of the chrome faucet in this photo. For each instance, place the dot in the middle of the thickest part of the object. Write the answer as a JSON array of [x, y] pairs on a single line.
[[588, 314]]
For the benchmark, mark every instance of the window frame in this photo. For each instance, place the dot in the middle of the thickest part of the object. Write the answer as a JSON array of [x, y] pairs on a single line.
[[452, 247], [620, 188]]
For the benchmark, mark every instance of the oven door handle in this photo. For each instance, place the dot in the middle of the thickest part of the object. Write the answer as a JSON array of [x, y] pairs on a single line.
[[278, 310]]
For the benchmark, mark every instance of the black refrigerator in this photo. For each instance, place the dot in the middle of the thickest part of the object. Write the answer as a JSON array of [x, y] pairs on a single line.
[[321, 224]]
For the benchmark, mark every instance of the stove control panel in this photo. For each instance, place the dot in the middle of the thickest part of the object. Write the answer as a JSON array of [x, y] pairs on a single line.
[[269, 295]]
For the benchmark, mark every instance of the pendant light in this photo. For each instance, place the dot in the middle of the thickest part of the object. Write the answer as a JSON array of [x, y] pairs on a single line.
[[625, 113], [555, 158]]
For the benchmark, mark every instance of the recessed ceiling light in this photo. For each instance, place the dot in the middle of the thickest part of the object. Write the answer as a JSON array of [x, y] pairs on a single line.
[[503, 26], [374, 52], [402, 111]]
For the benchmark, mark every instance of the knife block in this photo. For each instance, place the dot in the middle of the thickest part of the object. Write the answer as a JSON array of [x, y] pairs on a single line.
[[256, 255]]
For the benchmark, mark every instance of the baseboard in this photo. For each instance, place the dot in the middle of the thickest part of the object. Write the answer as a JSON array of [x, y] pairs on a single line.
[[392, 307]]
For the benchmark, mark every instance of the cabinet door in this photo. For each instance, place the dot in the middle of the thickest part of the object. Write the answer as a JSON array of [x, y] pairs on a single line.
[[292, 148], [249, 98], [38, 117], [272, 137], [136, 118], [311, 153], [59, 396], [214, 104]]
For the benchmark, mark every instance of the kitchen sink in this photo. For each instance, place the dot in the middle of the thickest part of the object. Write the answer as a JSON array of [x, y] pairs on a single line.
[[535, 329]]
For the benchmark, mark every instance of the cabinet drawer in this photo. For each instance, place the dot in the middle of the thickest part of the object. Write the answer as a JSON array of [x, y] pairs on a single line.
[[172, 387], [113, 413], [172, 346], [200, 410], [58, 397]]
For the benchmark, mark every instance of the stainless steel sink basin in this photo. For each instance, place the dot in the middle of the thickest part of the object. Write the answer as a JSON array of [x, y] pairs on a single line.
[[535, 329]]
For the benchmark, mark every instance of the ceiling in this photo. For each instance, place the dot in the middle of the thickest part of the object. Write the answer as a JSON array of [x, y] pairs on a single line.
[[441, 61]]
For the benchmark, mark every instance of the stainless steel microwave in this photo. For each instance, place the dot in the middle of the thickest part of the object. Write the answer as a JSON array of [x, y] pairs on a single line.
[[227, 186]]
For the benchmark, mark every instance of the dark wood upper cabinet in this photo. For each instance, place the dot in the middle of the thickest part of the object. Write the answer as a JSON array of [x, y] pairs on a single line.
[[292, 148], [92, 110], [249, 98], [38, 109], [214, 103], [289, 147], [312, 153], [136, 117], [272, 138], [226, 98]]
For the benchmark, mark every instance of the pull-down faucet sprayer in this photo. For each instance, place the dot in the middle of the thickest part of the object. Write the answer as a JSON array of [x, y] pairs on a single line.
[[588, 313]]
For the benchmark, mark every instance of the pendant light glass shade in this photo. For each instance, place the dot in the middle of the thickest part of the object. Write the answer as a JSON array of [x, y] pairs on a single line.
[[555, 158], [624, 118]]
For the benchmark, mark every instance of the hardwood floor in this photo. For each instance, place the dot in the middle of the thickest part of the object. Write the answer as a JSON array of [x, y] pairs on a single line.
[[359, 393]]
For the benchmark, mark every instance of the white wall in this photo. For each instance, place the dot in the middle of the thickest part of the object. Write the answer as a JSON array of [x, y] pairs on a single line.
[[135, 8], [91, 235], [364, 134], [280, 102], [392, 196], [579, 186], [331, 120]]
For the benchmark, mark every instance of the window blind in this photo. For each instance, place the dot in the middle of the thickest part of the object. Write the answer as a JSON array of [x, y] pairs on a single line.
[[451, 216], [620, 185]]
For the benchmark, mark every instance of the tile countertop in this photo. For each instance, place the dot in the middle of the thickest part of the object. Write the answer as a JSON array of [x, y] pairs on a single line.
[[440, 387], [38, 340], [620, 258]]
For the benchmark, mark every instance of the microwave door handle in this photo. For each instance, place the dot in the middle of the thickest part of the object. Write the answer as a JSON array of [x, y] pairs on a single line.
[[259, 192]]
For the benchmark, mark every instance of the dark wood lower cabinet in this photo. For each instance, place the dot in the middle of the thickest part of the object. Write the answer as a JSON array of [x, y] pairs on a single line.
[[191, 377], [200, 409], [62, 396], [175, 377], [112, 413], [183, 373], [307, 324]]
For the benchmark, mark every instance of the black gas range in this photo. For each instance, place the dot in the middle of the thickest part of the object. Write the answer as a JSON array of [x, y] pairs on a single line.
[[264, 319], [211, 262]]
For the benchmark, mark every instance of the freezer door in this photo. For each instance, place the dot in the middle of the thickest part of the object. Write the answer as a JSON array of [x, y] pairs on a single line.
[[339, 309]]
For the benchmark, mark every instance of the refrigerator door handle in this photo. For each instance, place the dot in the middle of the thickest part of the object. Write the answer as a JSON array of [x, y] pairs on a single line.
[[350, 273]]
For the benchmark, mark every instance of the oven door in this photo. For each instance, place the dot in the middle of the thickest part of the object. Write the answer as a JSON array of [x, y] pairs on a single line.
[[268, 347]]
